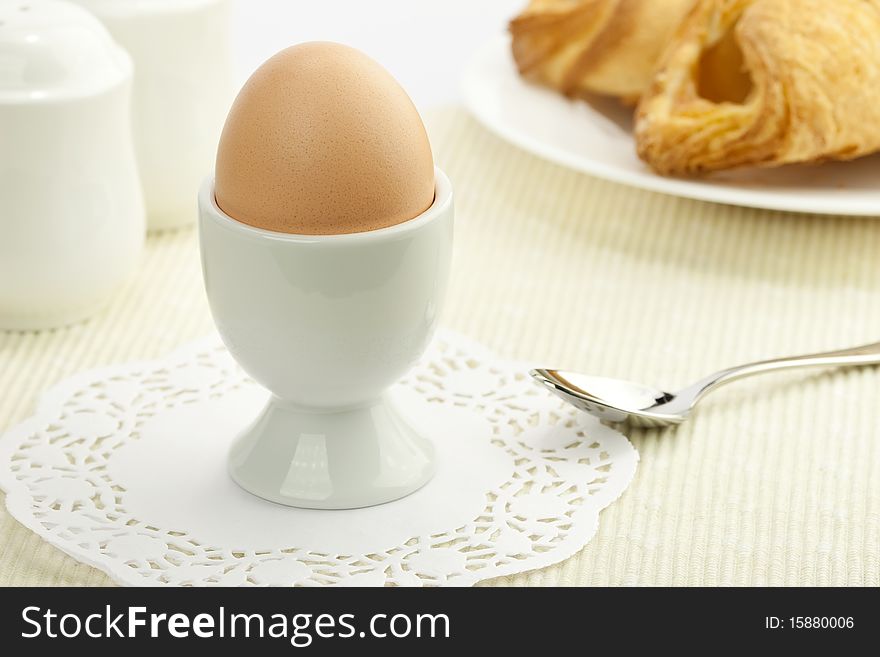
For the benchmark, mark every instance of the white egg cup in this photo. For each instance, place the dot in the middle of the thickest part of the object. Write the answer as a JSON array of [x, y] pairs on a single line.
[[327, 323]]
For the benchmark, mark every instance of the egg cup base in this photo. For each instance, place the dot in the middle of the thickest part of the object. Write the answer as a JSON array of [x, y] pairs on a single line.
[[331, 458]]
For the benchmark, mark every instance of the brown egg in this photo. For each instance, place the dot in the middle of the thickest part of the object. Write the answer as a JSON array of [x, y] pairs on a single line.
[[322, 140]]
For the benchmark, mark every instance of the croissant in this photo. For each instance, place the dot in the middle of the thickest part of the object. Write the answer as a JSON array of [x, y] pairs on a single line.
[[608, 47], [765, 83]]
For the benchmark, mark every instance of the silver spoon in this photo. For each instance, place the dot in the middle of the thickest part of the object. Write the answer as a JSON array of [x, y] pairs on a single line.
[[618, 401]]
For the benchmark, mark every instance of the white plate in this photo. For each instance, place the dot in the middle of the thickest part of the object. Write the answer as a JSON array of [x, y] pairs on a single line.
[[596, 139]]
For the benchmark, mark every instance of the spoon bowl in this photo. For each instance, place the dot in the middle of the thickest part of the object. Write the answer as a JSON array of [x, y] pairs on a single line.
[[613, 400]]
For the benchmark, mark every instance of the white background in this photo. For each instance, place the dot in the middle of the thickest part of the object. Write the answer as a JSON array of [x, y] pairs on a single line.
[[423, 43]]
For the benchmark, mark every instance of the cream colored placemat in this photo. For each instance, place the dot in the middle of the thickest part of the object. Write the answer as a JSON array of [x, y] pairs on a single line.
[[774, 481]]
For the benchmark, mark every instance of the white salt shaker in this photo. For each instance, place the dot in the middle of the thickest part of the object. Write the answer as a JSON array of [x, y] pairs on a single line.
[[182, 91], [71, 211]]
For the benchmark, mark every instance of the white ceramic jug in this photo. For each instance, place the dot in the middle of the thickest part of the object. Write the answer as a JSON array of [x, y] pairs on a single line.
[[182, 91], [71, 212]]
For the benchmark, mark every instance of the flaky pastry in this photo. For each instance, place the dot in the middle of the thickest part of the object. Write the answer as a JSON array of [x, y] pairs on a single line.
[[608, 47], [765, 83]]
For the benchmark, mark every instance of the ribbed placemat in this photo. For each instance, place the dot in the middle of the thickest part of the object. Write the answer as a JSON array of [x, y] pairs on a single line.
[[774, 481]]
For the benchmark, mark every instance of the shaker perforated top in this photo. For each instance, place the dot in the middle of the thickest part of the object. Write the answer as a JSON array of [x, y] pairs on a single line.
[[51, 50]]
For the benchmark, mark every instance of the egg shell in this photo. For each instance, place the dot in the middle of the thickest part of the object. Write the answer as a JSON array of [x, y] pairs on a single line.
[[323, 140]]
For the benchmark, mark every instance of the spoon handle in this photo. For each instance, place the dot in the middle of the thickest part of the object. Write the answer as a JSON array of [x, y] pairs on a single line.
[[868, 354]]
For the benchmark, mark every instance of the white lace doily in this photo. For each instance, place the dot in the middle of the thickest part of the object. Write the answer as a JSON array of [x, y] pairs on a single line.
[[125, 469]]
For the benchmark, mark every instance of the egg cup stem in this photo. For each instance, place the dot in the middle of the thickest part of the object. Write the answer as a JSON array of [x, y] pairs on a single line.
[[331, 460]]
